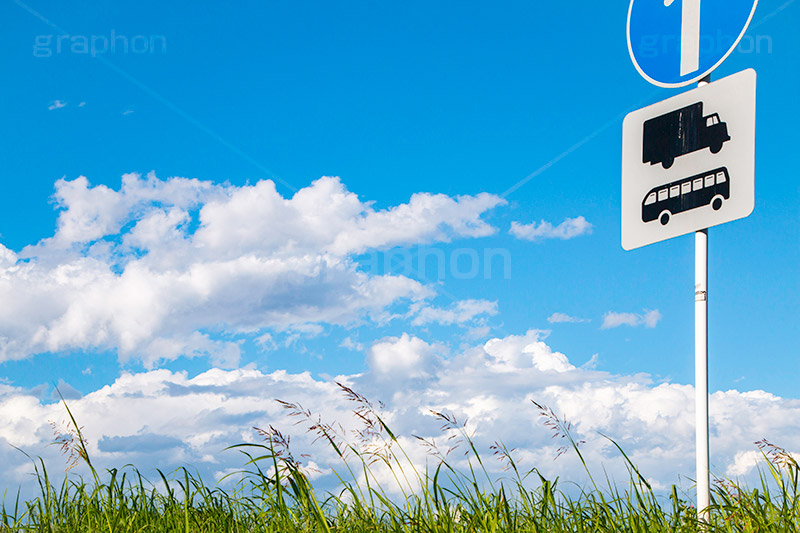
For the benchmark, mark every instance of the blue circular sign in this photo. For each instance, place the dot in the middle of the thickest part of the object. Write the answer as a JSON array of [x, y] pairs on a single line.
[[677, 42]]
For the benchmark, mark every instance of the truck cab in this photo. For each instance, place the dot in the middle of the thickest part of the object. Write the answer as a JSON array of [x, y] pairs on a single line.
[[715, 133]]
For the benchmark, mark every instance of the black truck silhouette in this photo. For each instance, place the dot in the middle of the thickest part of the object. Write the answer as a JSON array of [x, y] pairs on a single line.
[[682, 132]]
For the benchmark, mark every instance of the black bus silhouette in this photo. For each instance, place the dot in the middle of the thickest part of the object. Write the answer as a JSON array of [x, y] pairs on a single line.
[[681, 132], [707, 188]]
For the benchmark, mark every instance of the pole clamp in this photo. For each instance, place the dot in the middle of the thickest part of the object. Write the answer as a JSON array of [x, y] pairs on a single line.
[[700, 296]]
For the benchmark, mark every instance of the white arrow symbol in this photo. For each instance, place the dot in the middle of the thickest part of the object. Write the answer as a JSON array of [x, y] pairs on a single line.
[[690, 35]]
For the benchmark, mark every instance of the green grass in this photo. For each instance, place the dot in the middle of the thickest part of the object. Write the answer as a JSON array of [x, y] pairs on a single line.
[[272, 492]]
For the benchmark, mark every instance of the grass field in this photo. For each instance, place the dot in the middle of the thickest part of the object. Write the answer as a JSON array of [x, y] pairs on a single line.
[[273, 493]]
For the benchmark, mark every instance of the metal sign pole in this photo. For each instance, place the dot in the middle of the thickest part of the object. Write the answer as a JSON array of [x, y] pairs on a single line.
[[701, 370], [701, 366]]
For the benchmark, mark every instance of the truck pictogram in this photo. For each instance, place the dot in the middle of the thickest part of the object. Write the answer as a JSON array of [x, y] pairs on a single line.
[[681, 132]]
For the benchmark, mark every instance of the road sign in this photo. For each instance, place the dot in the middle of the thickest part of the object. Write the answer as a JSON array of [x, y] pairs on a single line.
[[688, 162], [673, 44]]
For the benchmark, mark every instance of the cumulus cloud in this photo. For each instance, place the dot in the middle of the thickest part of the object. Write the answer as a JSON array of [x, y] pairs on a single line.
[[648, 319], [404, 357], [153, 269], [166, 419], [568, 229], [561, 318], [743, 463]]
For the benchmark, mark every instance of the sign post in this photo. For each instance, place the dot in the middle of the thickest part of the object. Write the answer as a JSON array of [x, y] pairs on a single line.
[[702, 470], [701, 371], [688, 131]]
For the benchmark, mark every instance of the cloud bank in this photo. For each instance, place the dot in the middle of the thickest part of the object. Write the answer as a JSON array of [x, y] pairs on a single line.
[[160, 268], [166, 419]]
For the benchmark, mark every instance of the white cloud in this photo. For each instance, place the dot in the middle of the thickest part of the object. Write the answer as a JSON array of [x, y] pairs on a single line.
[[743, 463], [528, 351], [478, 332], [56, 104], [66, 391], [591, 364], [561, 318], [459, 312], [166, 419], [127, 270], [327, 218], [266, 342], [651, 318], [404, 357], [568, 229], [647, 318], [349, 344]]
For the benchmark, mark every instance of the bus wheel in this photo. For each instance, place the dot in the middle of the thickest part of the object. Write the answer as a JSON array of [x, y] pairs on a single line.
[[716, 203], [666, 163], [664, 218], [715, 148]]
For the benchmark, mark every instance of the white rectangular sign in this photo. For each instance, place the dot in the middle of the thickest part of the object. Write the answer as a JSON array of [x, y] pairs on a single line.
[[688, 163]]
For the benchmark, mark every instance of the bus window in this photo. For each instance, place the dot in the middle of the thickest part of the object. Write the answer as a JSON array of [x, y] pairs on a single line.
[[686, 188], [674, 191], [651, 199], [662, 195], [710, 180], [697, 184], [720, 177]]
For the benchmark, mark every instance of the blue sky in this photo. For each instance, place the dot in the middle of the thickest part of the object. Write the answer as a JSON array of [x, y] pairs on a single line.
[[445, 123]]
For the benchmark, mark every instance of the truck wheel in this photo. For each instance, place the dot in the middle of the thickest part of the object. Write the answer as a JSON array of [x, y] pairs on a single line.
[[668, 162], [715, 148], [664, 218]]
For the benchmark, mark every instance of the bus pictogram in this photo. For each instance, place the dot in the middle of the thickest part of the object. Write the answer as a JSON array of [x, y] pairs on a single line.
[[708, 188]]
